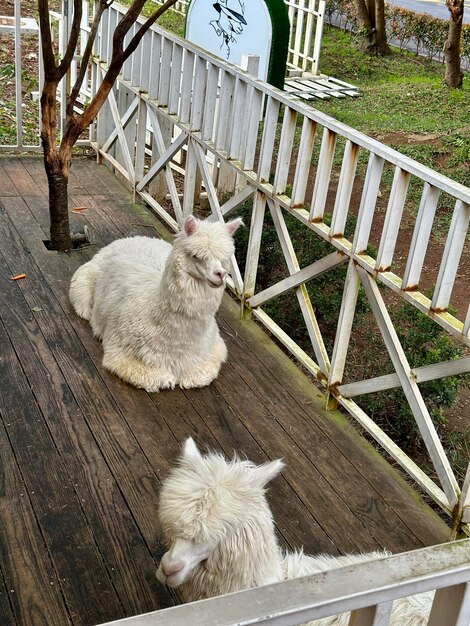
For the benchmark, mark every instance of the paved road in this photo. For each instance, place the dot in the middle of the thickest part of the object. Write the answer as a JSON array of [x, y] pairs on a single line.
[[433, 7]]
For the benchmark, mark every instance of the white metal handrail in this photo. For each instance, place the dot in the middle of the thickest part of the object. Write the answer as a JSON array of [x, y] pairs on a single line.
[[368, 590]]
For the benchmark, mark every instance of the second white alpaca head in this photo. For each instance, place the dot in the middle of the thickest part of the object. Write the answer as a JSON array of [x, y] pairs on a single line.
[[204, 249], [206, 501]]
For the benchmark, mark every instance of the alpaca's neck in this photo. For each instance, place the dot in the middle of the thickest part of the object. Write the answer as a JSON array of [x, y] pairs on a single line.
[[249, 558]]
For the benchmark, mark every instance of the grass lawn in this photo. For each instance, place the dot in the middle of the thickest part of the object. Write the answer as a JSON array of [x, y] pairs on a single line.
[[403, 103]]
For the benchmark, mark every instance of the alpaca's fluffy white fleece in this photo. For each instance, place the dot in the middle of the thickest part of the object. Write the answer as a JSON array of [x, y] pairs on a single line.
[[220, 532], [153, 305]]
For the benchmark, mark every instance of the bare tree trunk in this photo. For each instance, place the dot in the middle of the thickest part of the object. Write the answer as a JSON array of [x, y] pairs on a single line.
[[366, 23], [57, 171], [382, 46], [58, 208], [58, 159], [453, 74], [371, 16]]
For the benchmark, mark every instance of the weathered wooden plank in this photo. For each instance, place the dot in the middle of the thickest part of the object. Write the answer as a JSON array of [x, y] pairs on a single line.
[[117, 536], [29, 588], [134, 402], [132, 472], [53, 498], [118, 444], [6, 612], [297, 525], [20, 177], [343, 509], [6, 184]]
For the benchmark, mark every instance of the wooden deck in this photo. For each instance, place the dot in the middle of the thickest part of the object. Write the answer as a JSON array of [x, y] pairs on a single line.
[[82, 454]]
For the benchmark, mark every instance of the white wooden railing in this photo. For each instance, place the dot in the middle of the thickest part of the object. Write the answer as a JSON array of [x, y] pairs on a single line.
[[201, 119], [368, 590], [27, 104], [306, 28]]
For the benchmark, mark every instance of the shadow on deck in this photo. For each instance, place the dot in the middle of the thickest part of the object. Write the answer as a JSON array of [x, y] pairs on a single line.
[[82, 454]]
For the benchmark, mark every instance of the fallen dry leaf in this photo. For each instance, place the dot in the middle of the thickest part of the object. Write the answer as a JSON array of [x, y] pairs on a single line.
[[80, 208]]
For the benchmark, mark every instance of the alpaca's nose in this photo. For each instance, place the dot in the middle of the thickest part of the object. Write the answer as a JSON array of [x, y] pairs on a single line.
[[220, 274], [172, 568]]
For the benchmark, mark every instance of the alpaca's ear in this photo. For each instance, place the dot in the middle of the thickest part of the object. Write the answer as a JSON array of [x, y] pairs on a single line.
[[234, 225], [190, 225], [190, 450], [262, 474]]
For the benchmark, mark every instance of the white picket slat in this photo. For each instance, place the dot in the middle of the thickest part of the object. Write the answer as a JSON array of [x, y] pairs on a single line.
[[304, 158], [322, 178], [345, 322], [210, 103], [175, 80], [451, 257], [345, 189], [269, 137], [368, 203], [421, 234], [391, 226], [285, 150], [255, 99]]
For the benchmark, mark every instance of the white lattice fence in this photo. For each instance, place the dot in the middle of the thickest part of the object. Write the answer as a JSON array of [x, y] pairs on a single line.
[[306, 29]]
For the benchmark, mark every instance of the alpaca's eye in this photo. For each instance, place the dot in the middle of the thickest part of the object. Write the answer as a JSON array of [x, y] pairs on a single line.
[[195, 257]]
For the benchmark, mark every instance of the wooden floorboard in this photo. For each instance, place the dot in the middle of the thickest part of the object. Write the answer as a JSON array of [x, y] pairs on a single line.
[[83, 454]]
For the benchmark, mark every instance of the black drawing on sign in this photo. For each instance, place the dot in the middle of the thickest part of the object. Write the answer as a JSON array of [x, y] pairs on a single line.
[[229, 22]]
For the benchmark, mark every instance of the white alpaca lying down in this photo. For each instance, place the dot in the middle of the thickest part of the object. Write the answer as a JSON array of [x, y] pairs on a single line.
[[220, 532], [153, 305]]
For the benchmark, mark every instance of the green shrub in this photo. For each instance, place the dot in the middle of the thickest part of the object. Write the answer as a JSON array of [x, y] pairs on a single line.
[[424, 343]]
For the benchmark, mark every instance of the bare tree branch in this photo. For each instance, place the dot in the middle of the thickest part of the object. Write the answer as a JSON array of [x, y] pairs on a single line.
[[124, 25], [50, 68], [73, 39], [103, 5], [58, 159]]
